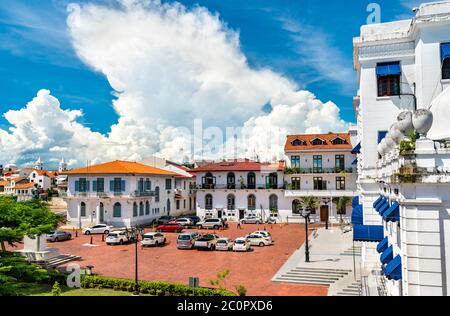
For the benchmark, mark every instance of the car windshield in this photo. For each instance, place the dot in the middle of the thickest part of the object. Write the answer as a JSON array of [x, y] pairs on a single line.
[[222, 241], [51, 233], [240, 242], [184, 237], [148, 236], [113, 235]]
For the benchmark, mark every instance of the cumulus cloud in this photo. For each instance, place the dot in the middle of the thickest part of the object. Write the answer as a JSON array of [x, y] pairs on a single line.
[[169, 66]]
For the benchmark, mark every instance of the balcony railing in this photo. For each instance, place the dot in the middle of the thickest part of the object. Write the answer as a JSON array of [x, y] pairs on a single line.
[[317, 170], [143, 193], [239, 187]]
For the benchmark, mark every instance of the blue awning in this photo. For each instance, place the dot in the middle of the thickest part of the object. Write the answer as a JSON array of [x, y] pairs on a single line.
[[368, 233], [383, 208], [377, 201], [393, 271], [355, 162], [381, 204], [357, 149], [382, 246], [357, 215], [387, 255], [393, 213], [387, 69], [355, 201], [445, 51]]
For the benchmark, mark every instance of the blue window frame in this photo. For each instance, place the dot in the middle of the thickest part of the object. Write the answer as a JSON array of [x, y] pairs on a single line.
[[445, 60]]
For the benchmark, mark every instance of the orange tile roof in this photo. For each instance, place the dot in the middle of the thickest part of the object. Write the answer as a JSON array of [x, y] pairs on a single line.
[[3, 183], [241, 165], [120, 167], [308, 138], [24, 186]]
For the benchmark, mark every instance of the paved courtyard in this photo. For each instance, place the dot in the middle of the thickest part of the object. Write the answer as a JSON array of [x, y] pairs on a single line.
[[254, 269]]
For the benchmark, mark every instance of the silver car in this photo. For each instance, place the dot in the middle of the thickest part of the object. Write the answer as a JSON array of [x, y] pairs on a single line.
[[224, 244], [187, 240], [211, 223], [58, 235]]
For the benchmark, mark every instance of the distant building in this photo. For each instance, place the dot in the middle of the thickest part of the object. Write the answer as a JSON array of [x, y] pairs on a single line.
[[25, 191]]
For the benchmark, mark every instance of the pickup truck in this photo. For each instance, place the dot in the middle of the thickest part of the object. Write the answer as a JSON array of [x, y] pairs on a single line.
[[207, 241]]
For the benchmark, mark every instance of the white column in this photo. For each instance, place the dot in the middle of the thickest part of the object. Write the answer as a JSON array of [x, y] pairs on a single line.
[[97, 213], [79, 215]]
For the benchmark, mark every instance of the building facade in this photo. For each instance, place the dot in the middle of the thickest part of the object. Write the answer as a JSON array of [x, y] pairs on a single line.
[[403, 183]]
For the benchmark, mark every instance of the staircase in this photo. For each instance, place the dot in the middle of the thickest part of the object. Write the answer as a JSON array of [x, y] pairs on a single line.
[[352, 251], [317, 276], [353, 289], [58, 260]]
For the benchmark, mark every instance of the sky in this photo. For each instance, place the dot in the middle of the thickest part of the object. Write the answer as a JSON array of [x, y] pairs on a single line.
[[120, 79]]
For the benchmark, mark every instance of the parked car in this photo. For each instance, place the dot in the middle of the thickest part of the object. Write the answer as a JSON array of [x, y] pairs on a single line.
[[186, 222], [187, 240], [164, 220], [194, 219], [118, 237], [98, 229], [272, 219], [211, 223], [241, 244], [207, 241], [265, 233], [251, 219], [58, 235], [170, 228], [224, 244], [153, 239], [259, 240]]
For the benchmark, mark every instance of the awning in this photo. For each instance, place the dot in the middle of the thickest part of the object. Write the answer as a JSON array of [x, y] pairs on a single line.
[[357, 215], [378, 201], [445, 51], [381, 204], [382, 246], [387, 255], [393, 271], [368, 233], [393, 213], [387, 69], [383, 208], [355, 201], [355, 162], [357, 149]]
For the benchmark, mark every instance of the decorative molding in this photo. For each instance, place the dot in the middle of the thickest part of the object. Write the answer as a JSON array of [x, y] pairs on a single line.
[[387, 50]]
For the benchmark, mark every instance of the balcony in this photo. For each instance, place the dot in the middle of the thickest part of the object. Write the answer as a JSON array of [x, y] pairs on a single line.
[[289, 171], [240, 187], [319, 193], [143, 194]]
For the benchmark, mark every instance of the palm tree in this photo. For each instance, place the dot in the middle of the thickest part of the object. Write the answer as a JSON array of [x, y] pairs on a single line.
[[341, 204], [309, 202]]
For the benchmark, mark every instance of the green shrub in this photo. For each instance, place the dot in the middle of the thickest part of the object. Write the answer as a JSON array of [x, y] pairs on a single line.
[[56, 290]]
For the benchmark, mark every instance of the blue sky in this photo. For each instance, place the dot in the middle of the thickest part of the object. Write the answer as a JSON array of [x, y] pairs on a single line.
[[310, 42]]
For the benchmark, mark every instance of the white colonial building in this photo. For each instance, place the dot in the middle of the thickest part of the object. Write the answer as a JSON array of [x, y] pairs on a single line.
[[403, 211], [118, 193]]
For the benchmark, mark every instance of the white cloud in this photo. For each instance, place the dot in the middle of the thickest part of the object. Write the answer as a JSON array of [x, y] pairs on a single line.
[[169, 66]]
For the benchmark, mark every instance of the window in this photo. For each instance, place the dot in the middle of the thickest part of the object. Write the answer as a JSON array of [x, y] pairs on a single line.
[[298, 142], [208, 202], [184, 204], [273, 202], [445, 60], [317, 164], [251, 202], [296, 207], [83, 209], [168, 205], [340, 163], [231, 202], [82, 185], [135, 209], [209, 181], [148, 185], [117, 185], [157, 194], [141, 209], [251, 180], [231, 181], [339, 141], [147, 208], [168, 184], [295, 183], [340, 183], [319, 184], [141, 185], [98, 185], [317, 142], [388, 78], [272, 181], [177, 204], [117, 210], [295, 161]]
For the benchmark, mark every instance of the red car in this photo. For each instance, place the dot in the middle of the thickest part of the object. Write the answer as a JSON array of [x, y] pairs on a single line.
[[170, 228]]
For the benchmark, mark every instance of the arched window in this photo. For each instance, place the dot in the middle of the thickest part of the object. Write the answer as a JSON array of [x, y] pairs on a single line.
[[273, 202], [147, 208], [208, 202], [296, 207], [231, 205], [231, 181], [446, 68], [83, 209], [209, 181], [157, 194], [251, 180], [272, 181], [135, 209], [141, 209], [251, 202], [117, 210]]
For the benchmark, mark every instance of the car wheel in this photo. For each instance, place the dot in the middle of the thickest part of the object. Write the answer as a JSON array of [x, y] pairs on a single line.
[[121, 242], [201, 226], [215, 227], [56, 239], [88, 232], [261, 244], [69, 237], [164, 241], [106, 232], [156, 244]]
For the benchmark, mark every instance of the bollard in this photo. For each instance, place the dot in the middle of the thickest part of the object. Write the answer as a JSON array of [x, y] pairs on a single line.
[[92, 240], [76, 233]]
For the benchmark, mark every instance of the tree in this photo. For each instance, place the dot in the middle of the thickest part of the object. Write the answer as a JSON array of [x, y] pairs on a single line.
[[19, 219], [220, 281], [341, 204], [56, 290], [309, 202]]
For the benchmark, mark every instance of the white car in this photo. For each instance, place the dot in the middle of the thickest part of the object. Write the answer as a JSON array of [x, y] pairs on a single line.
[[185, 222], [259, 240], [241, 244], [265, 233], [153, 239], [119, 237], [224, 244], [97, 229]]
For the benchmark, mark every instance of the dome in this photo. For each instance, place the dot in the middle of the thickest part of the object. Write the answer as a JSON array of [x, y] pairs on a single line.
[[440, 108]]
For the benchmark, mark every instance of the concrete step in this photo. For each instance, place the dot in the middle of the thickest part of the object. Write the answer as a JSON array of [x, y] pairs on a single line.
[[305, 276], [339, 274], [323, 270], [59, 260], [303, 281]]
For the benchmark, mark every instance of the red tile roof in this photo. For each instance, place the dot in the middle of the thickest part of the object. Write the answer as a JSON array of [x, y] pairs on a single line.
[[308, 138], [24, 186], [120, 167], [241, 165]]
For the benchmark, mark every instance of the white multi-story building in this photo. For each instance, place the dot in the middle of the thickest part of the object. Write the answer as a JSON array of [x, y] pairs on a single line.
[[118, 193], [320, 165], [404, 198], [25, 191]]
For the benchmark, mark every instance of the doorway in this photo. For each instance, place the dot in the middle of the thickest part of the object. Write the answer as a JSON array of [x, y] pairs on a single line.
[[241, 214], [324, 213], [102, 213], [219, 214]]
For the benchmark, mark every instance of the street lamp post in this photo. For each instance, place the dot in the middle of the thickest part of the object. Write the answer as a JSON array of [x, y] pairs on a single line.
[[305, 214], [136, 285], [326, 201]]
